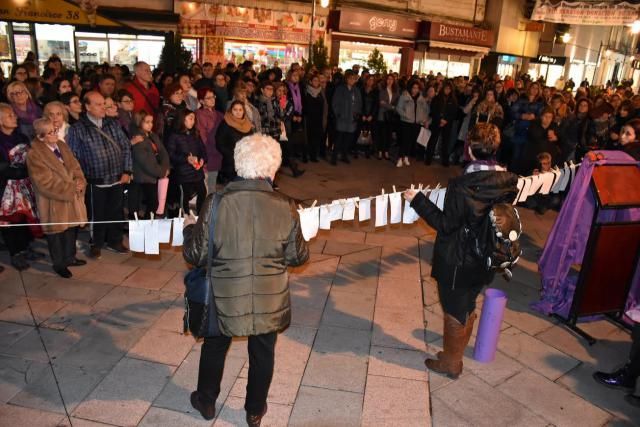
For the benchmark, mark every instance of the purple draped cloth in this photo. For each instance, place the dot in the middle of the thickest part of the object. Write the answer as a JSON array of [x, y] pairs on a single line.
[[567, 241]]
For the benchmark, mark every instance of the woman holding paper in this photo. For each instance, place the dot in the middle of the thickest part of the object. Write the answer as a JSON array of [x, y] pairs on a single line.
[[60, 185], [414, 113], [460, 275]]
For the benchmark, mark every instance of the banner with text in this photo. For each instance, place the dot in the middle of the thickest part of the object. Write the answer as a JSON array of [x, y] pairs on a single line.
[[586, 12]]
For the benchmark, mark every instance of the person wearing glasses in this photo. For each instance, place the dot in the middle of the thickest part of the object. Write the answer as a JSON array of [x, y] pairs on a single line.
[[125, 109], [24, 107], [60, 186], [72, 105], [56, 112]]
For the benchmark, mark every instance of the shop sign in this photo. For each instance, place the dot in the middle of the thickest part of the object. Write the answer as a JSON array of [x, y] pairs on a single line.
[[372, 22], [203, 19], [50, 11], [551, 60], [609, 13], [508, 59], [459, 34]]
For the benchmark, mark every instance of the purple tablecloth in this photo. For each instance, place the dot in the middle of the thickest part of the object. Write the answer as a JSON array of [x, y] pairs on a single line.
[[567, 241]]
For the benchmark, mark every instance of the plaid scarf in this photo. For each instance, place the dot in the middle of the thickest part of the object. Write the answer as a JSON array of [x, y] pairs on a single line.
[[484, 165]]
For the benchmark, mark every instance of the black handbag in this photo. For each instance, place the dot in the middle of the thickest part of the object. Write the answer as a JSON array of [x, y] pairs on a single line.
[[200, 315]]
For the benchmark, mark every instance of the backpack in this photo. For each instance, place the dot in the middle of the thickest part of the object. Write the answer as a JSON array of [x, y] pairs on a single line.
[[494, 246]]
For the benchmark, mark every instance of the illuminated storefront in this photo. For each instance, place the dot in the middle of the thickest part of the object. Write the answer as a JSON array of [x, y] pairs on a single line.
[[225, 33], [451, 50], [550, 68], [78, 36], [355, 33]]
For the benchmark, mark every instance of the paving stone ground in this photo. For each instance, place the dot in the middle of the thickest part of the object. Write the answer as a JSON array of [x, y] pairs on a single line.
[[106, 347]]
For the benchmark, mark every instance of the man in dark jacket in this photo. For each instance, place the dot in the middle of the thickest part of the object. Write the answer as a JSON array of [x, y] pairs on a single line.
[[257, 235], [104, 153], [460, 275], [347, 107]]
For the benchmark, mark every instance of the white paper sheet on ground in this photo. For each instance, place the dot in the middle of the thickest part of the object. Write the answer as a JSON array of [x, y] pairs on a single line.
[[177, 236], [536, 183], [520, 186], [335, 210], [164, 230], [364, 210], [409, 215], [525, 189], [349, 211], [309, 222], [325, 217], [565, 178], [441, 195], [151, 243], [559, 176], [547, 182], [395, 201], [382, 201], [136, 235]]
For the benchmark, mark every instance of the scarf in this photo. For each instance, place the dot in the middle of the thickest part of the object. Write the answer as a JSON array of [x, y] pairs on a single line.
[[484, 165], [243, 125], [294, 89], [313, 91], [269, 105]]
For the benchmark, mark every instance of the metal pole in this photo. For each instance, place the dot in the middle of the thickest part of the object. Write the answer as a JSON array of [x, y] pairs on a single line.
[[313, 18]]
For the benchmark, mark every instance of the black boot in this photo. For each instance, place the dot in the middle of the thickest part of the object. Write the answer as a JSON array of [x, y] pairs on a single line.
[[620, 379]]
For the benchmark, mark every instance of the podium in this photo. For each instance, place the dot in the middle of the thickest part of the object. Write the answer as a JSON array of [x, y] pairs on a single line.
[[612, 253]]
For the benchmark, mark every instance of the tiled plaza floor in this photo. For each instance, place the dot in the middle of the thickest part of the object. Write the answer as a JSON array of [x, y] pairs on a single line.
[[106, 347]]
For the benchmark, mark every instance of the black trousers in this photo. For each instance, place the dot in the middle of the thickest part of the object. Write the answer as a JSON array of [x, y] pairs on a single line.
[[460, 301], [408, 136], [382, 136], [105, 204], [17, 239], [343, 142], [190, 189], [143, 192], [261, 360], [436, 132], [62, 247], [634, 354], [315, 135]]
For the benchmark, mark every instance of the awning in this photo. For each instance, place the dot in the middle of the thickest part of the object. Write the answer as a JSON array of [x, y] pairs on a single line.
[[457, 46]]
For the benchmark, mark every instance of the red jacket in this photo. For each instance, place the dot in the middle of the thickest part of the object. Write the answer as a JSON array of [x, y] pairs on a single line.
[[147, 99]]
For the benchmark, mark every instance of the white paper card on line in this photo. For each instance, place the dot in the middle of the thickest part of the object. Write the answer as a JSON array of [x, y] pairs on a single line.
[[395, 201], [151, 243], [178, 237], [164, 230], [136, 235], [382, 201], [364, 210]]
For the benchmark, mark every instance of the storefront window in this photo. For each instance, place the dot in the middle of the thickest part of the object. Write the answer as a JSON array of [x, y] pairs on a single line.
[[264, 53], [123, 49], [352, 53], [576, 72], [23, 46], [193, 46], [56, 39], [92, 52], [446, 68], [589, 73]]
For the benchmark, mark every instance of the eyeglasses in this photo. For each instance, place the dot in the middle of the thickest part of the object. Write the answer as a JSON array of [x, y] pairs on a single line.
[[18, 92], [126, 101], [52, 132]]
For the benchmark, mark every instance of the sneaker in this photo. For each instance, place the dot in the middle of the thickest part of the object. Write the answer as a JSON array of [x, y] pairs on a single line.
[[19, 262], [406, 161], [399, 164], [118, 248], [95, 252]]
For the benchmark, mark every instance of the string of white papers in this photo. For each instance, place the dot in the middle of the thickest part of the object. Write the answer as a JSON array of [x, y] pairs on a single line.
[[320, 217]]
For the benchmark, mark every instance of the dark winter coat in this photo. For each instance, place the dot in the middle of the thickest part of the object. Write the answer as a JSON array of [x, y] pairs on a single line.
[[257, 236], [632, 149], [347, 107], [467, 203], [150, 159], [538, 142], [313, 107], [7, 172], [179, 146], [226, 139], [521, 126]]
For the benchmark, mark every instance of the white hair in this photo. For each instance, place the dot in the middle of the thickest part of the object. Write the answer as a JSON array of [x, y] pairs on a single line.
[[257, 156]]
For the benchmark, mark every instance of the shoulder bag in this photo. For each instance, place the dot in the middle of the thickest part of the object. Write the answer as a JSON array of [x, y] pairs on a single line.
[[200, 315]]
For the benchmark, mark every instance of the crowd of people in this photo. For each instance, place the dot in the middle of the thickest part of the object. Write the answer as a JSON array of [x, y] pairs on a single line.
[[164, 139]]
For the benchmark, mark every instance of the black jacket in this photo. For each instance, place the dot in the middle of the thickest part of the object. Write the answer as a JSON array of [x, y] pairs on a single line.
[[632, 149], [179, 146], [538, 142], [150, 159], [444, 108], [226, 139], [7, 171], [468, 200]]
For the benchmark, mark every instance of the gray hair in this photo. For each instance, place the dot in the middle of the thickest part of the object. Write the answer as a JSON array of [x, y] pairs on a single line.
[[257, 156]]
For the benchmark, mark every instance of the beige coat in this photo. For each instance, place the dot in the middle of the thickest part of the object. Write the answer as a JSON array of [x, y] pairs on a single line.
[[55, 185]]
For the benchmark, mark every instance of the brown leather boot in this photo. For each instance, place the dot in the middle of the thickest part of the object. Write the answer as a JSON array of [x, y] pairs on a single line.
[[456, 338]]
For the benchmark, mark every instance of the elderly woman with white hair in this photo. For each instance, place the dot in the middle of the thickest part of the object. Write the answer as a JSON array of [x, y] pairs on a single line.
[[257, 236], [59, 116]]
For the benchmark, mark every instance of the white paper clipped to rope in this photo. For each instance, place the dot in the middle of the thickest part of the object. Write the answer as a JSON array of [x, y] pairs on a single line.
[[164, 230], [382, 202], [395, 202], [151, 234], [136, 235], [309, 222], [178, 237], [349, 211], [364, 210]]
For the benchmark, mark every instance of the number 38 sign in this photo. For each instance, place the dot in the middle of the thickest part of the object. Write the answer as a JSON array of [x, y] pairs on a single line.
[[54, 11]]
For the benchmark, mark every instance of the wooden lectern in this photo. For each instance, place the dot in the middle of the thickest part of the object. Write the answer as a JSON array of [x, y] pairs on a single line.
[[613, 249]]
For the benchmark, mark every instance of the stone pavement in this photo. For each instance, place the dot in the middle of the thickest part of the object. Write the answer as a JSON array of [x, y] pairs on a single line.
[[108, 348]]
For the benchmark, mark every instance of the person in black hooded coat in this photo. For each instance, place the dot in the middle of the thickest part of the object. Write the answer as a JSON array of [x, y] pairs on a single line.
[[461, 275]]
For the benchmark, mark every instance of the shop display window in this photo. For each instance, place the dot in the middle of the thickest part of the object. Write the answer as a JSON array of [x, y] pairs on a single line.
[[23, 46], [264, 53], [124, 49], [56, 39], [91, 52], [193, 46], [355, 53]]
